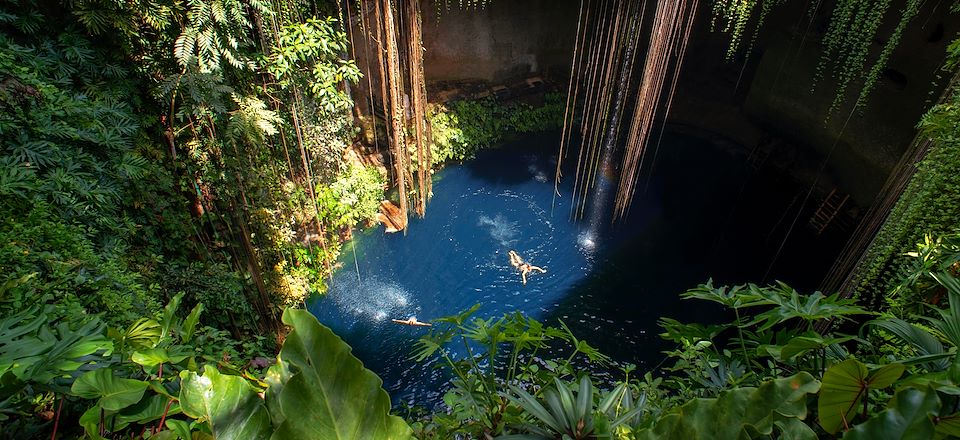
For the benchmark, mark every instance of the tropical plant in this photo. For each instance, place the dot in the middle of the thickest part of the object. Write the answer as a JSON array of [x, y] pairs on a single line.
[[462, 128], [575, 416], [487, 355], [158, 382], [776, 406]]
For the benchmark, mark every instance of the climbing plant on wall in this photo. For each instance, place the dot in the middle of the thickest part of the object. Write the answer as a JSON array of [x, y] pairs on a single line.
[[847, 58], [854, 26], [734, 17], [929, 205]]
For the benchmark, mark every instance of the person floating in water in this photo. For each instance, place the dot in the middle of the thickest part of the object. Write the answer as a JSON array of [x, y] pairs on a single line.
[[523, 266], [412, 321]]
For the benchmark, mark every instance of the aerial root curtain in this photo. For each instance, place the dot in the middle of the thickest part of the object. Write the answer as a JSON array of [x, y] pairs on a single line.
[[603, 73], [392, 33]]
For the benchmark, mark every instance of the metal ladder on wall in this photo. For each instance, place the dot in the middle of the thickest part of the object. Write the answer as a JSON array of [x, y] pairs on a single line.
[[828, 210]]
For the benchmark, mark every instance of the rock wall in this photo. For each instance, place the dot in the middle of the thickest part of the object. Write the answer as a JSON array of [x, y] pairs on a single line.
[[507, 39], [771, 95], [863, 143]]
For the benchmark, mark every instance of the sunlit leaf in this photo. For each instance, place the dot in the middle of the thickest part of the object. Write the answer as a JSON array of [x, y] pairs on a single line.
[[228, 403]]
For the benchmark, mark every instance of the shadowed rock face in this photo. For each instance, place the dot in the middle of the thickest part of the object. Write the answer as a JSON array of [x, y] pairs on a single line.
[[507, 39], [769, 96]]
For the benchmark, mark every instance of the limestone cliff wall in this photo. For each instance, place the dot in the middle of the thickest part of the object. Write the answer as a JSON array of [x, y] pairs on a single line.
[[772, 94], [506, 39]]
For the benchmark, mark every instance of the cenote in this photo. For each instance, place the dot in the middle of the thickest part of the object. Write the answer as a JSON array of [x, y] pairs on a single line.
[[218, 219], [704, 213]]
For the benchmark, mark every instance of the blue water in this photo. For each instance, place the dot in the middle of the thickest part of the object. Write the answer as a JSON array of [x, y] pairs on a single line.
[[698, 217]]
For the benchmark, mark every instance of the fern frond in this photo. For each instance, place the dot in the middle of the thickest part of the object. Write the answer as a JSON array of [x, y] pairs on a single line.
[[253, 120], [183, 47], [217, 11]]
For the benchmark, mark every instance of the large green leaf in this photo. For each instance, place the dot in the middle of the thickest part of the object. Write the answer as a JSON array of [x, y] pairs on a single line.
[[70, 350], [190, 323], [147, 410], [114, 393], [229, 403], [909, 416], [742, 413], [19, 345], [844, 387], [330, 394], [144, 333], [154, 356], [276, 377]]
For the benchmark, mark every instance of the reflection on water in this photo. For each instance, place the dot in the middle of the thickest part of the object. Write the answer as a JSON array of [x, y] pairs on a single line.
[[610, 285]]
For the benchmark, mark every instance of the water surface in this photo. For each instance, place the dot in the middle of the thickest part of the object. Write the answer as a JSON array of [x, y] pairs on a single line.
[[704, 213]]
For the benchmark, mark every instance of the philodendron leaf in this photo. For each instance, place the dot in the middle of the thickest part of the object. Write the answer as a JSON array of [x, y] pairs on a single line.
[[330, 395], [229, 403], [886, 375], [908, 416], [114, 393], [742, 413], [154, 356], [181, 428], [844, 386], [142, 334]]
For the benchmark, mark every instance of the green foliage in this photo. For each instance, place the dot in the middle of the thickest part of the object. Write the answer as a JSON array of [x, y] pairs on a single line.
[[464, 127], [215, 30], [566, 415], [510, 352], [734, 16], [777, 405], [853, 28], [909, 415], [846, 385], [113, 393], [353, 198], [930, 205], [39, 357], [215, 285], [40, 353], [70, 271], [847, 54], [315, 47], [141, 141], [229, 404], [252, 122], [159, 381], [319, 390]]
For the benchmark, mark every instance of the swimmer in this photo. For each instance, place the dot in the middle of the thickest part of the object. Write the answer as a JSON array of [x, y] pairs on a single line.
[[412, 321], [515, 260], [523, 266]]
